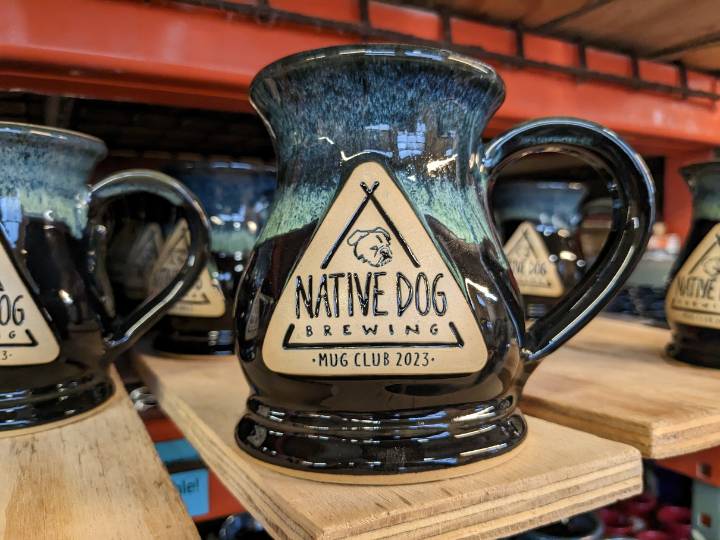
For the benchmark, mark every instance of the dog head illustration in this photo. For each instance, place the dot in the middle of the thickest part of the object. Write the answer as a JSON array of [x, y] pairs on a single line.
[[712, 266], [371, 246]]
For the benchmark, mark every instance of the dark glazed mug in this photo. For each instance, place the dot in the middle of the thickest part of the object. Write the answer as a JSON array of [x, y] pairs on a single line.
[[236, 197], [692, 302], [59, 330], [540, 225], [377, 321]]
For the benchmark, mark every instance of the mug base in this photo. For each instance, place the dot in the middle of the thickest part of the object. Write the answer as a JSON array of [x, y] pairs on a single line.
[[698, 356], [39, 406], [388, 443], [214, 342]]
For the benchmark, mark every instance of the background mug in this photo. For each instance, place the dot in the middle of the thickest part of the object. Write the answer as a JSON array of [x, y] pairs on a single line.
[[59, 324], [692, 303], [540, 225], [236, 196]]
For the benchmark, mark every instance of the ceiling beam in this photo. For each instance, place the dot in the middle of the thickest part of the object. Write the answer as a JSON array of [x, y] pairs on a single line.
[[557, 21]]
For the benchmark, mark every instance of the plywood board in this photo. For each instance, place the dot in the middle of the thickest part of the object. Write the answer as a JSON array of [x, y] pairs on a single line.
[[559, 472], [98, 477], [614, 380], [612, 24]]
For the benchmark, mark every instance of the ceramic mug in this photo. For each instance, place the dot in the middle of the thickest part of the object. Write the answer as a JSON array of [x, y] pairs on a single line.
[[377, 320], [540, 225], [692, 302], [59, 329], [236, 197]]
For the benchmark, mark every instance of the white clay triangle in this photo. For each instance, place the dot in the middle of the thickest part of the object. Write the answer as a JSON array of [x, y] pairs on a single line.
[[25, 336], [694, 294], [205, 298], [369, 245], [535, 273]]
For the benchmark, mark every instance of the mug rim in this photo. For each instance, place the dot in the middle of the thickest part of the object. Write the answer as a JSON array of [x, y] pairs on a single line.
[[694, 168], [418, 53], [57, 134]]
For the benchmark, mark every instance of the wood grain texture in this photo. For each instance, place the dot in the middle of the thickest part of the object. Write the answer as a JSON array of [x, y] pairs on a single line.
[[559, 472], [615, 381], [99, 477], [614, 24]]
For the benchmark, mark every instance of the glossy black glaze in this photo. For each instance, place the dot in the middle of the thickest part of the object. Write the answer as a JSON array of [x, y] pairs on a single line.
[[555, 211], [697, 344], [236, 197], [60, 256], [420, 113]]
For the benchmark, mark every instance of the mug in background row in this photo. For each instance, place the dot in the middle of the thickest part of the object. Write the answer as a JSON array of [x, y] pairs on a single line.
[[236, 196], [59, 327], [540, 225]]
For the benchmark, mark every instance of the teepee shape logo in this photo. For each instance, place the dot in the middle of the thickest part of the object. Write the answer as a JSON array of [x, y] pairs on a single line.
[[694, 294], [530, 263], [25, 335], [205, 298], [371, 294]]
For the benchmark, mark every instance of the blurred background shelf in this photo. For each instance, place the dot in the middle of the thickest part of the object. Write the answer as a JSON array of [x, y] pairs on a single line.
[[558, 473], [614, 380], [98, 477]]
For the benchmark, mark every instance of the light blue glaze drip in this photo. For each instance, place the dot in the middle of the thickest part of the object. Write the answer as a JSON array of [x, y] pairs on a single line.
[[43, 175], [420, 114]]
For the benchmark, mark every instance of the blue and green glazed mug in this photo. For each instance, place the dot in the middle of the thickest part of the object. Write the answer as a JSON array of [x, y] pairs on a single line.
[[59, 330], [378, 321], [539, 224], [236, 196], [692, 301]]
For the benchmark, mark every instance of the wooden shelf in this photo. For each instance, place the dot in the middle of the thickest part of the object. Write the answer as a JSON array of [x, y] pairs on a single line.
[[557, 473], [97, 477], [615, 381]]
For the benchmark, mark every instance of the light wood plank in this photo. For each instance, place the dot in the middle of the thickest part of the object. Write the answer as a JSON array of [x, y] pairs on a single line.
[[614, 380], [99, 477], [557, 473], [664, 23]]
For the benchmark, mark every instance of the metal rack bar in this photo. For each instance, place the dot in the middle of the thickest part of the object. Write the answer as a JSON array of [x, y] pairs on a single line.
[[365, 30]]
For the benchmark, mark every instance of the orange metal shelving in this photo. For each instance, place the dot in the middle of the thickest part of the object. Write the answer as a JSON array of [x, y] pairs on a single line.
[[172, 53]]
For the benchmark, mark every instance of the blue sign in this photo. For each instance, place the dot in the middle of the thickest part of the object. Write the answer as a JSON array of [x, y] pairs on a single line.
[[194, 490]]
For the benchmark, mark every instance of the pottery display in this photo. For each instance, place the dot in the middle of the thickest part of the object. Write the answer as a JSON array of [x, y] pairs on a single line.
[[378, 322], [236, 197], [540, 225], [692, 302], [59, 328]]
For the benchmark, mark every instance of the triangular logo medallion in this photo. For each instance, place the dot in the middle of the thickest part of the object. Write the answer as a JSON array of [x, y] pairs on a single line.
[[694, 294], [25, 336], [205, 298], [535, 273], [371, 294]]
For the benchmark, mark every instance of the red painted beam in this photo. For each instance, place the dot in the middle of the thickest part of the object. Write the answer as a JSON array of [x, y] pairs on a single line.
[[169, 54]]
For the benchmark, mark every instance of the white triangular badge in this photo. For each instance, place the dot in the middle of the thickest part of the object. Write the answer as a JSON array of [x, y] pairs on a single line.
[[371, 294], [25, 336], [535, 273], [205, 298], [146, 248], [694, 296]]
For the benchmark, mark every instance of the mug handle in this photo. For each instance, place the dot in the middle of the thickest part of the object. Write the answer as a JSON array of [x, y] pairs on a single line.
[[129, 329], [633, 191]]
